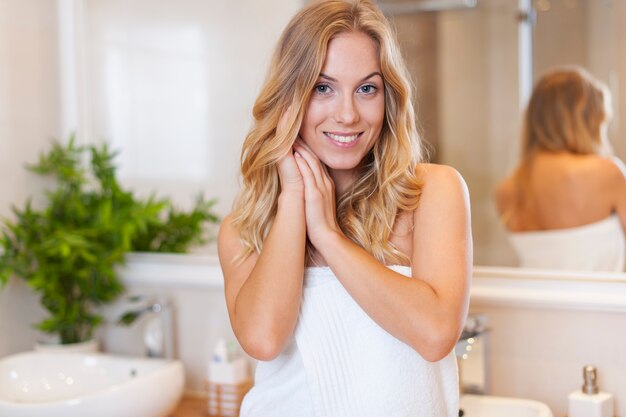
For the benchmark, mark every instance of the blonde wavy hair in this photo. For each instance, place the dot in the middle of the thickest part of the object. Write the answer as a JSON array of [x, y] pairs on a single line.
[[568, 110], [388, 182]]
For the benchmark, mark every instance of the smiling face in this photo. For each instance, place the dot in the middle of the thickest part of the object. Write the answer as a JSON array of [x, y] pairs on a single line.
[[345, 114]]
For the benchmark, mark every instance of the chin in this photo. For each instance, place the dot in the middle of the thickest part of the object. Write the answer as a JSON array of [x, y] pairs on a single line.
[[342, 165], [341, 161]]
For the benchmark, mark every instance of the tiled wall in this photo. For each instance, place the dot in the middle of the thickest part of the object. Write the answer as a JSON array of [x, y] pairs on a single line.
[[539, 353]]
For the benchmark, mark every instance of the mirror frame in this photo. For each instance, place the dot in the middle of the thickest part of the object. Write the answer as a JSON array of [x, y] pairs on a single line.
[[558, 289], [491, 286]]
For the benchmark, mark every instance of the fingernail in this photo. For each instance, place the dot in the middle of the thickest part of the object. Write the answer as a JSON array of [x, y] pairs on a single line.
[[297, 155]]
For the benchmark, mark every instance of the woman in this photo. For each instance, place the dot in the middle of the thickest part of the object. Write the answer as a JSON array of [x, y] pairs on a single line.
[[565, 204], [346, 260]]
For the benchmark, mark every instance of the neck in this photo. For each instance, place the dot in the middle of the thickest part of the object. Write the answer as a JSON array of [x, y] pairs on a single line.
[[343, 180]]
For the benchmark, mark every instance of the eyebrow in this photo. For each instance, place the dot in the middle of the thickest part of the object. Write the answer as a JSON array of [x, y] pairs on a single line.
[[328, 77]]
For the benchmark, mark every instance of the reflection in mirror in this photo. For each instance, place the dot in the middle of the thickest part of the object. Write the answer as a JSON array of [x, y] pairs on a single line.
[[473, 76], [562, 206]]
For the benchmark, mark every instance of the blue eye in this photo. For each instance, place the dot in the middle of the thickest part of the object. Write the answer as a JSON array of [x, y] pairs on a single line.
[[368, 89], [322, 89]]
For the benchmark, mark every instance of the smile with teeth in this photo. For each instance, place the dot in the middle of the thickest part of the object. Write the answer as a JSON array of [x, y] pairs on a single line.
[[342, 138]]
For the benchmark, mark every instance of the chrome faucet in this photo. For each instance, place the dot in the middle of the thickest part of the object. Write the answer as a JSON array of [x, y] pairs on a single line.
[[158, 326], [471, 355]]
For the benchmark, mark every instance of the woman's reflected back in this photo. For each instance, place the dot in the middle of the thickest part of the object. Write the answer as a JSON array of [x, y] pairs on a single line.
[[564, 206]]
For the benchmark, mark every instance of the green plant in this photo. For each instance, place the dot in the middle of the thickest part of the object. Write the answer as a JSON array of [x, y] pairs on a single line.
[[68, 250]]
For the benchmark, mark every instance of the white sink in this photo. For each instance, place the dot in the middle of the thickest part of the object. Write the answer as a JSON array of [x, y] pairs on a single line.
[[35, 384], [489, 406]]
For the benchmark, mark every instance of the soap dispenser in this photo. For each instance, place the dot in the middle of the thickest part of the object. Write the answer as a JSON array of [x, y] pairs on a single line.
[[589, 401]]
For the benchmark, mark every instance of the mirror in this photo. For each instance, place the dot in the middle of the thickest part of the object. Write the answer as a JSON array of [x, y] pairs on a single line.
[[473, 61], [474, 64]]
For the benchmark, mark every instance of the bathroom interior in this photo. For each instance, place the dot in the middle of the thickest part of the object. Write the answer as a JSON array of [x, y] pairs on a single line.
[[171, 85]]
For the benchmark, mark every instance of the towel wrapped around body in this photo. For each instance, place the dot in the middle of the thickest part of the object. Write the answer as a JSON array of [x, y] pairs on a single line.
[[598, 246], [341, 363]]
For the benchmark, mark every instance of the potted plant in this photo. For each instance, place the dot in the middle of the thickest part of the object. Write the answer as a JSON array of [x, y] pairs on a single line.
[[68, 250]]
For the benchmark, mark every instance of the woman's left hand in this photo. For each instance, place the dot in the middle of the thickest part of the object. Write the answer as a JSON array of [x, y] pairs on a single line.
[[319, 195]]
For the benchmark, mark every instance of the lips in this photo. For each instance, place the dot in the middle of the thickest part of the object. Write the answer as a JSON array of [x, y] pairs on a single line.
[[343, 139]]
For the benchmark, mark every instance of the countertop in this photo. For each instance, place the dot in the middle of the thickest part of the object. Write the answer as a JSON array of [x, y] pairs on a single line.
[[191, 407]]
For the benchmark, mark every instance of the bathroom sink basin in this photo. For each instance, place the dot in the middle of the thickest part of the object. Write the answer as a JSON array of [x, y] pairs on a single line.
[[489, 406], [35, 384]]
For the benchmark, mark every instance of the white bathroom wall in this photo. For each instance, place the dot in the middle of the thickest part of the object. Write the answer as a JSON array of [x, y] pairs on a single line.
[[171, 84], [29, 93], [225, 45], [617, 82], [29, 118], [539, 353]]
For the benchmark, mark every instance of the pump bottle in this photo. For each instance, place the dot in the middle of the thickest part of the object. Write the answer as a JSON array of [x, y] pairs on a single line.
[[589, 401]]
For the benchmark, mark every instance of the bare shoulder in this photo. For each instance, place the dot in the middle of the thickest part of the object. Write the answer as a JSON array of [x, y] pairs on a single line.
[[616, 174], [228, 241], [229, 249], [443, 186], [442, 240], [608, 170], [227, 231], [440, 178], [504, 193], [615, 167]]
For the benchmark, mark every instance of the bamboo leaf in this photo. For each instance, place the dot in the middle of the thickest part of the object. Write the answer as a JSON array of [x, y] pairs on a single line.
[[68, 250]]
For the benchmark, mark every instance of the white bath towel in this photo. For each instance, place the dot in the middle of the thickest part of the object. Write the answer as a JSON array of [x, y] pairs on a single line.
[[598, 246], [343, 364]]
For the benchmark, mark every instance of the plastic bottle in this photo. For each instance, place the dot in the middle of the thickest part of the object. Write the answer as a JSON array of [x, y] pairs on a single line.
[[228, 379]]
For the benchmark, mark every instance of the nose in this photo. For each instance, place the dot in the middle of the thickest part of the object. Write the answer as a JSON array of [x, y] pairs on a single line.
[[346, 111]]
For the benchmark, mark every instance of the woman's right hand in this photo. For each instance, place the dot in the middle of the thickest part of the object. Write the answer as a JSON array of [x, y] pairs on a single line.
[[290, 178], [263, 292]]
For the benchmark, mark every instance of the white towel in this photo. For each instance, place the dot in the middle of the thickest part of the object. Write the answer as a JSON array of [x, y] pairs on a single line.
[[343, 364], [598, 246], [355, 368]]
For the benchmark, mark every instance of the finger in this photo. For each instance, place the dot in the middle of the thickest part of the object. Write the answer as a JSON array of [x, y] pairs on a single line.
[[313, 162], [303, 144], [288, 170], [308, 177], [326, 179], [325, 171], [324, 175]]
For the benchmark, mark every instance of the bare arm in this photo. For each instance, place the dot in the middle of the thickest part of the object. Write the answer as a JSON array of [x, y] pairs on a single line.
[[263, 292], [425, 311], [618, 189]]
